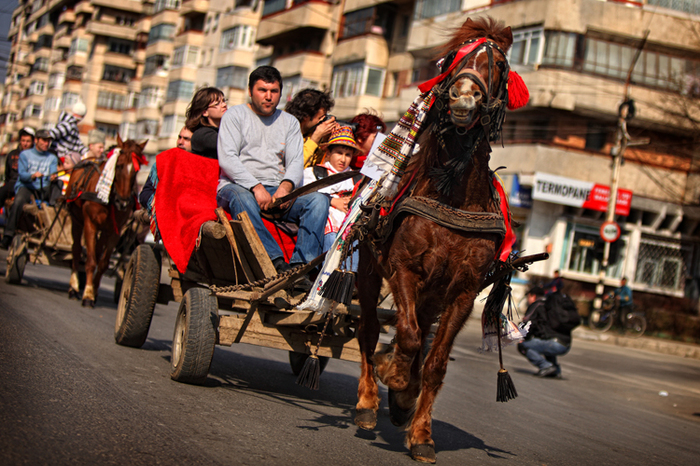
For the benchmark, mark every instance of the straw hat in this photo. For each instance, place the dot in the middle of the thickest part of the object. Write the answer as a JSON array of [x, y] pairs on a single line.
[[342, 136]]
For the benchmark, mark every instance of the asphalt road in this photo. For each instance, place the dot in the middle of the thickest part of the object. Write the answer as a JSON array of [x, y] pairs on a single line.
[[70, 395]]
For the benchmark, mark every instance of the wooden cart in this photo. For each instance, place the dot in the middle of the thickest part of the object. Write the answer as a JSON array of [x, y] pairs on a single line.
[[45, 238], [230, 294]]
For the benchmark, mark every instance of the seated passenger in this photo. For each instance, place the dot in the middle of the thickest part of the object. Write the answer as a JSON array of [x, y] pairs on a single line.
[[26, 141], [311, 107], [261, 158], [37, 169], [203, 117], [368, 125], [339, 152]]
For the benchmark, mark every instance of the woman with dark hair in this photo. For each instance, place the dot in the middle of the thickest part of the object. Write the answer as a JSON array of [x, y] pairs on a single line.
[[311, 107], [203, 117], [368, 125]]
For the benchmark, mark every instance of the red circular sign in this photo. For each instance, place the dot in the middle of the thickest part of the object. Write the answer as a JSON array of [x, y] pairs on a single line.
[[610, 232]]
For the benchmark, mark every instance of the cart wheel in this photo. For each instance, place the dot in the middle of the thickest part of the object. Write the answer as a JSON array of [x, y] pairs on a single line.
[[297, 360], [195, 336], [16, 260], [137, 298]]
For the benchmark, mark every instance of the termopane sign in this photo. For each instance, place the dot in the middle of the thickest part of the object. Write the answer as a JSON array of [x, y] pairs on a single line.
[[577, 193]]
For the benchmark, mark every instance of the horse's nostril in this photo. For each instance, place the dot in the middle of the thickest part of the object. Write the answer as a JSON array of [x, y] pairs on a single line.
[[454, 93]]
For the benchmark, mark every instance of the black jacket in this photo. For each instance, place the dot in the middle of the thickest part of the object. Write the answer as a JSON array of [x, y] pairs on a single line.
[[204, 140], [541, 328]]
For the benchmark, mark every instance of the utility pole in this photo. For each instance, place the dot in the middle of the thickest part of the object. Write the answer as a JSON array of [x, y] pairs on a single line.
[[625, 112]]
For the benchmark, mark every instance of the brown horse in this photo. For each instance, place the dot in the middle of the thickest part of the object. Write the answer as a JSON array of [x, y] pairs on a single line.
[[435, 271], [100, 223]]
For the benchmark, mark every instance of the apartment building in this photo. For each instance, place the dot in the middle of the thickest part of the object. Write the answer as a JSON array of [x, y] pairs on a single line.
[[134, 63]]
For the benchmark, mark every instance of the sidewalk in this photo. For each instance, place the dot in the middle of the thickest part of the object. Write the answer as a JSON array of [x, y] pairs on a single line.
[[658, 345]]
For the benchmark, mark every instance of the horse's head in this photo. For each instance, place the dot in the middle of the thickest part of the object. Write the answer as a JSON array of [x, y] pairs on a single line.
[[129, 162], [474, 76]]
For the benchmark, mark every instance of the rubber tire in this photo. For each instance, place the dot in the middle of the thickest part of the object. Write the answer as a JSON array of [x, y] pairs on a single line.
[[635, 326], [194, 337], [297, 361], [15, 262], [601, 326], [137, 298]]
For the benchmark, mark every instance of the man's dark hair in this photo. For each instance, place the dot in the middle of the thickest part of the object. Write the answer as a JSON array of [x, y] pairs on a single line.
[[308, 102], [537, 291], [269, 74]]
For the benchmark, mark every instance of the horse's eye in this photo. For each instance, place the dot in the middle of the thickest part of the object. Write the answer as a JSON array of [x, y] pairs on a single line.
[[501, 65]]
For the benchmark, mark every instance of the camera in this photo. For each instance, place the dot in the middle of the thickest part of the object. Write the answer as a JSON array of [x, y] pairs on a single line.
[[340, 122]]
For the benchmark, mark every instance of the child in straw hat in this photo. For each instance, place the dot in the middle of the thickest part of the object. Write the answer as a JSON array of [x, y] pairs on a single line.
[[339, 152]]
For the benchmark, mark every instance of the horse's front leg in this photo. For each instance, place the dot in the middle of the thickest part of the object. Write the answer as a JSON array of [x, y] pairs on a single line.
[[77, 251], [419, 434], [369, 285], [90, 233], [105, 247], [394, 367]]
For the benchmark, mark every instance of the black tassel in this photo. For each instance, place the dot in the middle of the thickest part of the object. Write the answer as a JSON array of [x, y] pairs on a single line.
[[506, 389], [339, 287], [310, 373]]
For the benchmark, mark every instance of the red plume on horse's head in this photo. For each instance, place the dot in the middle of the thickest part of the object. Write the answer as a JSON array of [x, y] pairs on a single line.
[[518, 95]]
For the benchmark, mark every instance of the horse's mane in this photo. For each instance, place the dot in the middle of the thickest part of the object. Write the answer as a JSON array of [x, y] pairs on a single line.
[[476, 29]]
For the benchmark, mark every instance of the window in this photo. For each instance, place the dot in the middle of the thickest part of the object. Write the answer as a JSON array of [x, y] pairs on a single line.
[[69, 98], [527, 47], [110, 131], [273, 6], [33, 111], [166, 5], [156, 64], [171, 125], [293, 85], [124, 21], [584, 250], [41, 64], [150, 97], [662, 263], [127, 130], [117, 74], [163, 31], [74, 73], [375, 20], [237, 37], [111, 100], [56, 80], [45, 41], [180, 90], [185, 55], [560, 48], [232, 76], [121, 47], [146, 128], [36, 88], [52, 104], [357, 79], [78, 45], [432, 8], [686, 6]]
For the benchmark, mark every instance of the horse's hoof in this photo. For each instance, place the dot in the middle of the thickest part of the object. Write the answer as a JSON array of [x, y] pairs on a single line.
[[424, 453], [72, 294], [88, 303], [399, 416], [366, 419]]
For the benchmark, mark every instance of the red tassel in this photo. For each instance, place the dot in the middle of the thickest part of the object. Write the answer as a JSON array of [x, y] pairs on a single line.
[[518, 95]]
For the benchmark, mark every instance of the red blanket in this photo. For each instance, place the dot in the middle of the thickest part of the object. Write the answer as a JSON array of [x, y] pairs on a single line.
[[185, 198]]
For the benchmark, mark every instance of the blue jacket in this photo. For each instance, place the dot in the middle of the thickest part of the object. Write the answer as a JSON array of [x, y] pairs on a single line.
[[32, 161], [625, 294]]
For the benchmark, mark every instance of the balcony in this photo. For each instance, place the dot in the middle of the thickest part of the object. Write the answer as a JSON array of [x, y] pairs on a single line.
[[67, 16], [84, 7], [100, 28], [62, 42], [305, 64], [286, 24], [194, 7], [124, 5]]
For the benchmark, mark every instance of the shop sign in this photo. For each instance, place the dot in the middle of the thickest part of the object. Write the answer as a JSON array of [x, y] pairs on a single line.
[[577, 193]]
